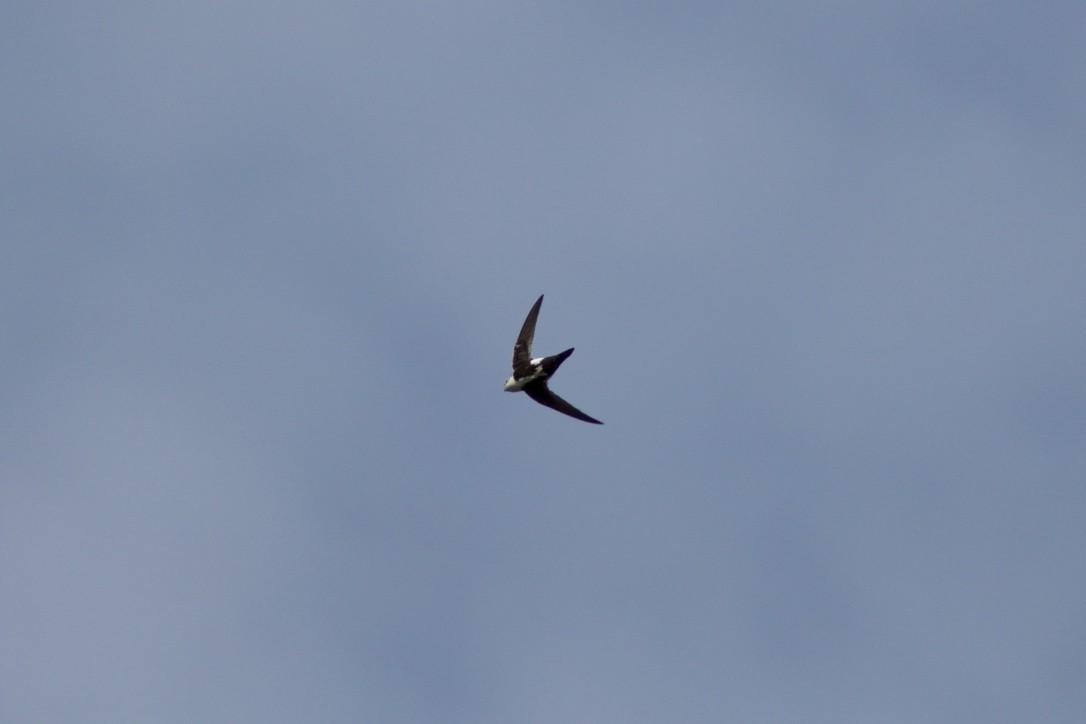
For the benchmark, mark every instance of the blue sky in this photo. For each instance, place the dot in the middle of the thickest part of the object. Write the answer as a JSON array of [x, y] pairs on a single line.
[[262, 269]]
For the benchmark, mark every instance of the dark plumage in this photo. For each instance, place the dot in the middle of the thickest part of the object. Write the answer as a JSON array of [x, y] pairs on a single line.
[[531, 375]]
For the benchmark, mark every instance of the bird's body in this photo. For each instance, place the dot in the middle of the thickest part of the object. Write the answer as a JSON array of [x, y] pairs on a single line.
[[530, 374]]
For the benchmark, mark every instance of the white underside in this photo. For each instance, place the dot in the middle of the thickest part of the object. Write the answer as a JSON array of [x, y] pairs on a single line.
[[514, 385]]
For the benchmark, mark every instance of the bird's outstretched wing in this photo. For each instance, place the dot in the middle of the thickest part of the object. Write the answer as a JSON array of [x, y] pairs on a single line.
[[539, 392], [522, 350]]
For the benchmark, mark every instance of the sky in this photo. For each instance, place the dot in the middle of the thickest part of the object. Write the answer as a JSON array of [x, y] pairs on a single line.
[[262, 267]]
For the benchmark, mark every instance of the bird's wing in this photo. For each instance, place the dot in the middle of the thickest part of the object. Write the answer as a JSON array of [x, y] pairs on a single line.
[[539, 392], [522, 350]]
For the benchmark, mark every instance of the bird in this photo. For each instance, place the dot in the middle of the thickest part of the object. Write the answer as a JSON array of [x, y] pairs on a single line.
[[530, 374]]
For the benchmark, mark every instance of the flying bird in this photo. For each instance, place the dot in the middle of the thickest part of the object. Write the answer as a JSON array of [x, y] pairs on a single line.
[[530, 374]]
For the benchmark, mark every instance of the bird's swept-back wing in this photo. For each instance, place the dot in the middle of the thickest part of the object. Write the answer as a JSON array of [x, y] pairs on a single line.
[[539, 392], [522, 350]]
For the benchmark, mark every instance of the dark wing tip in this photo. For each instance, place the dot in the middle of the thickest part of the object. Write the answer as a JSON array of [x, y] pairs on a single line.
[[542, 394]]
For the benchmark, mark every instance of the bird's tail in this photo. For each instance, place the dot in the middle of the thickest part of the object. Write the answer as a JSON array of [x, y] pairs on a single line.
[[551, 364]]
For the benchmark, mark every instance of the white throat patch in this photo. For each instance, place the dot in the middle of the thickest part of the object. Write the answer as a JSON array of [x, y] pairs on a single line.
[[516, 385]]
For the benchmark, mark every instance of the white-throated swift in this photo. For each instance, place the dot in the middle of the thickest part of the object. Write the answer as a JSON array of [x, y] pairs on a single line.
[[531, 374]]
